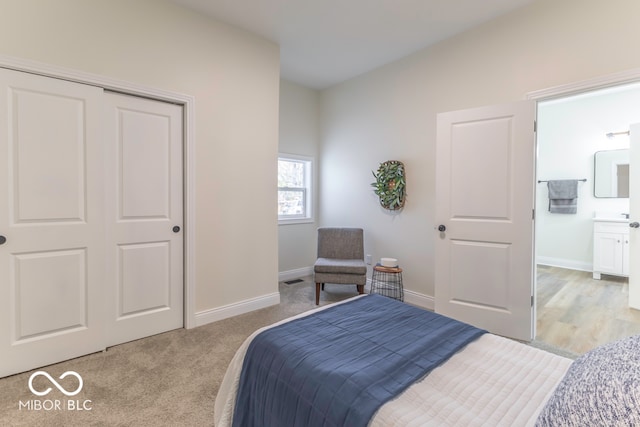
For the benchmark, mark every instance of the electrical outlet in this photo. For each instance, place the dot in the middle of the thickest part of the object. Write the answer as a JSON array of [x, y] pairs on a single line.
[[368, 259]]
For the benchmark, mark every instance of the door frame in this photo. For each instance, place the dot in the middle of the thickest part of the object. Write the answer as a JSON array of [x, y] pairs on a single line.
[[566, 90], [602, 82], [128, 88]]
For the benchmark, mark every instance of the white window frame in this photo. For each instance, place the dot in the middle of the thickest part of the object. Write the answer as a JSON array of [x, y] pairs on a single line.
[[307, 217]]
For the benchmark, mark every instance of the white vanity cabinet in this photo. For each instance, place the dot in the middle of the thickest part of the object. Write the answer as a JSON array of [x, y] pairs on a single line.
[[610, 248]]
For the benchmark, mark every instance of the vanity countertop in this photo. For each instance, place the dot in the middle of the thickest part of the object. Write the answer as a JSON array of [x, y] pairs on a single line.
[[610, 217]]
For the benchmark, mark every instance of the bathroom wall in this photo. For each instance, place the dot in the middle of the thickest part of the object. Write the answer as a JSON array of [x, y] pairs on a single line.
[[570, 131]]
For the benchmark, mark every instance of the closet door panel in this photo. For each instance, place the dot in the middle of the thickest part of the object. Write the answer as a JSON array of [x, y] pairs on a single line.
[[51, 215], [145, 239]]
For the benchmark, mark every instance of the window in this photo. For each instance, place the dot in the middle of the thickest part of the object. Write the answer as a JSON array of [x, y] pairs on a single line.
[[294, 189]]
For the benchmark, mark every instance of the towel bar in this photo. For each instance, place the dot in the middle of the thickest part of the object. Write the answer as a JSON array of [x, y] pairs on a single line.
[[583, 180]]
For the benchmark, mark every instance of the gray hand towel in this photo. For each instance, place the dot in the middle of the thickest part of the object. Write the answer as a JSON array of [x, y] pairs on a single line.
[[563, 196]]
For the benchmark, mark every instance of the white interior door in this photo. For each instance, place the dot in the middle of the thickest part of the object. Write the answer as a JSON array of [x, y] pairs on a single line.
[[485, 174], [634, 216], [51, 215], [144, 225]]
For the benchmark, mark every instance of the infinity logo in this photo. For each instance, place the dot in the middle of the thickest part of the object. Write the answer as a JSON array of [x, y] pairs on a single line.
[[55, 383]]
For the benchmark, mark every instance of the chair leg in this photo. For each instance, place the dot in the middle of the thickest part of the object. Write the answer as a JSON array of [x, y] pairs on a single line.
[[318, 293], [323, 286], [360, 289]]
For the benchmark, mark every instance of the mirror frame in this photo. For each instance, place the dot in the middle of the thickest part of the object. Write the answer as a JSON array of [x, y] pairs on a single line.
[[606, 165]]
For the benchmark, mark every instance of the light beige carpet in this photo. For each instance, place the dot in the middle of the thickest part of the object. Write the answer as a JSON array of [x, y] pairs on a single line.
[[169, 379]]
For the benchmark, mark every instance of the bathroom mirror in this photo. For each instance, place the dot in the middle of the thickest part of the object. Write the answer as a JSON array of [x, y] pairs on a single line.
[[611, 173]]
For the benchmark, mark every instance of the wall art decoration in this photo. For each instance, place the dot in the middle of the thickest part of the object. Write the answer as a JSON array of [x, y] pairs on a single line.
[[390, 185]]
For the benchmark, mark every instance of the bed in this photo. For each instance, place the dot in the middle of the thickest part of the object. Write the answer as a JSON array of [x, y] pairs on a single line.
[[487, 380]]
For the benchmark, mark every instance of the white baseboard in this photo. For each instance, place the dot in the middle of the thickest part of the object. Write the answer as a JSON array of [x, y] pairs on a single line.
[[235, 309], [420, 300], [242, 307], [564, 263], [411, 297], [295, 274]]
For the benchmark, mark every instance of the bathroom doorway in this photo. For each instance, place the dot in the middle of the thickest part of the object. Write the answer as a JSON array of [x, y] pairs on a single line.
[[576, 312]]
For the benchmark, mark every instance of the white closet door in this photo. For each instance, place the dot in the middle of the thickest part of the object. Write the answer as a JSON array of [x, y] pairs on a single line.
[[145, 211], [51, 215]]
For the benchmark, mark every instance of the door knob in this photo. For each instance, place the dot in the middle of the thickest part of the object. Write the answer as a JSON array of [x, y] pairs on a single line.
[[634, 225], [176, 229], [441, 227], [2, 240]]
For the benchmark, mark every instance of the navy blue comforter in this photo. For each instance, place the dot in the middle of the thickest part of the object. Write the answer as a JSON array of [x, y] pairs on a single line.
[[338, 366]]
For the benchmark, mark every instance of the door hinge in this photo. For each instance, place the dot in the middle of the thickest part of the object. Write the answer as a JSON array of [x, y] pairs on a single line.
[[531, 300], [535, 126], [533, 214]]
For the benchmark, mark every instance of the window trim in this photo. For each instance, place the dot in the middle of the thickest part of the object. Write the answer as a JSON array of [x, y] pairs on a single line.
[[308, 189]]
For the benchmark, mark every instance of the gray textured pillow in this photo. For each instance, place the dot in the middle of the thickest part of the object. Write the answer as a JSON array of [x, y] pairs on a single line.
[[601, 388]]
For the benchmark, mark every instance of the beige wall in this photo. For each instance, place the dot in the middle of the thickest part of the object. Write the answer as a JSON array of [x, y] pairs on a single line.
[[299, 134], [234, 77], [390, 113]]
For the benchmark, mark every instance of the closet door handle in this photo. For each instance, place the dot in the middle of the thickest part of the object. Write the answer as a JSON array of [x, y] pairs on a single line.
[[634, 225]]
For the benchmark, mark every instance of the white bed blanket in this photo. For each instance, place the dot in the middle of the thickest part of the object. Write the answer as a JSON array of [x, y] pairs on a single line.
[[493, 381]]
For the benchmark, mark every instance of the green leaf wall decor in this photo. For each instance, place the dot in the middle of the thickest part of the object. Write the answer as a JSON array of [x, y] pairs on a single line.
[[390, 184]]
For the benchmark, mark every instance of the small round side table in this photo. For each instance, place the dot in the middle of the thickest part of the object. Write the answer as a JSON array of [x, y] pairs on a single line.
[[387, 281]]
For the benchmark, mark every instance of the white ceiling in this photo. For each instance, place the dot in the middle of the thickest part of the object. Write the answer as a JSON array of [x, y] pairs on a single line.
[[324, 42]]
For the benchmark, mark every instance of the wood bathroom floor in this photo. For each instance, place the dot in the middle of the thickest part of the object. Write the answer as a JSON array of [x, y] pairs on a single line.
[[577, 313]]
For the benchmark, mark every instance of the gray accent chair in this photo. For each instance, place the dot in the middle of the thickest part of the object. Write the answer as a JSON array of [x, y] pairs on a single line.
[[340, 258]]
